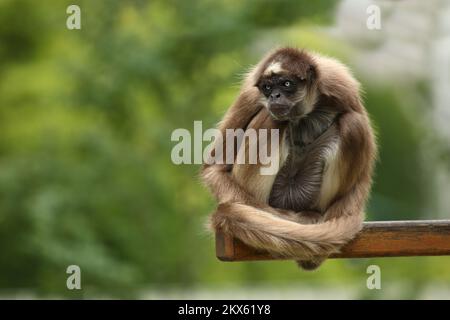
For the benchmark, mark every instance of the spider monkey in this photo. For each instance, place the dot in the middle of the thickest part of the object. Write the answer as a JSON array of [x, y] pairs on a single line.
[[314, 203]]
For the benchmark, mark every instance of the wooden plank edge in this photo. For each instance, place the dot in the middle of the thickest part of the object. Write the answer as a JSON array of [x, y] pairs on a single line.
[[377, 239]]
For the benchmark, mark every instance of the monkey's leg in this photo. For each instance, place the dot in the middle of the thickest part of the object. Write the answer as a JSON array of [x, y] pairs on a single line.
[[224, 187]]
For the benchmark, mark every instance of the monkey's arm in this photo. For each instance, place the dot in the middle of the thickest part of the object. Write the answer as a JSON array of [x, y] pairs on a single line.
[[217, 177], [357, 158]]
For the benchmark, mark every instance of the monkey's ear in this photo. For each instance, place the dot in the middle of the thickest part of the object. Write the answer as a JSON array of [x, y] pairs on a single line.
[[311, 73]]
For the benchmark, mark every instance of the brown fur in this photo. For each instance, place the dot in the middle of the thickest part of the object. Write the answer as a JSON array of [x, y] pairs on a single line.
[[293, 214]]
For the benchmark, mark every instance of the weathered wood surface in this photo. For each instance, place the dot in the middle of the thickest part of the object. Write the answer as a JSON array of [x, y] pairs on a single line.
[[377, 239]]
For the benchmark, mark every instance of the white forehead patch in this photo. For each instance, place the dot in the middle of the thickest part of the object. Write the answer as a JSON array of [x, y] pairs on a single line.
[[274, 67]]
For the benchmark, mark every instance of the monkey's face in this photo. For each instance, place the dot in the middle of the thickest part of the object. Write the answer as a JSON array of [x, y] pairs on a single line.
[[283, 95]]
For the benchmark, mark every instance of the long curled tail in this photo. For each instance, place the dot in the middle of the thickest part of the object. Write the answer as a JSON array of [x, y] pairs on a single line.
[[264, 230]]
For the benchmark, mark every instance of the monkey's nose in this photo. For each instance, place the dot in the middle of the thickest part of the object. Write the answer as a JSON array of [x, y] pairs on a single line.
[[276, 95]]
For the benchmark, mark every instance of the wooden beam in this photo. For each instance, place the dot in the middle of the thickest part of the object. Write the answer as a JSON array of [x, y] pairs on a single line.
[[377, 239]]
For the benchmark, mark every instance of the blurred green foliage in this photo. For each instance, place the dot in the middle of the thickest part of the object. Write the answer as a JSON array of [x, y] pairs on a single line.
[[86, 118]]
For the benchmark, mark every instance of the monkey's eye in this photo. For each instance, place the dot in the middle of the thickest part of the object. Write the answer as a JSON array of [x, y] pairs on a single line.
[[267, 87], [287, 83]]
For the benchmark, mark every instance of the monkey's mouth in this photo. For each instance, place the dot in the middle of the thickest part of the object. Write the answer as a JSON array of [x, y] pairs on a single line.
[[280, 111]]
